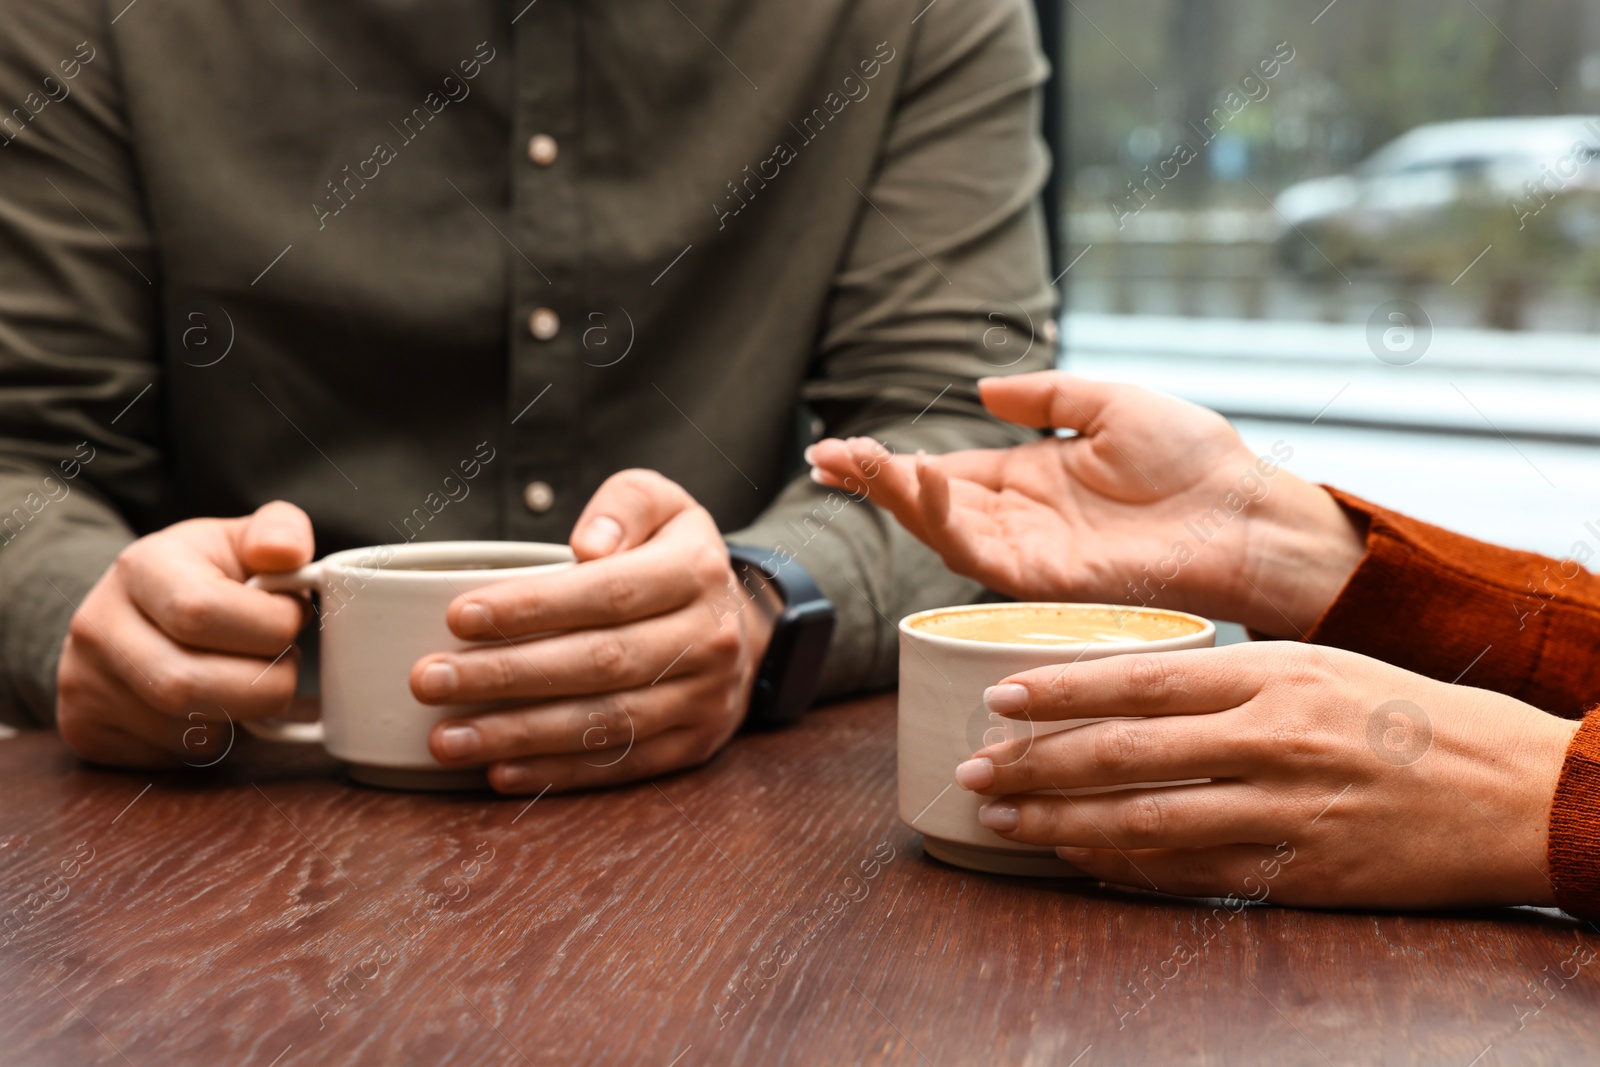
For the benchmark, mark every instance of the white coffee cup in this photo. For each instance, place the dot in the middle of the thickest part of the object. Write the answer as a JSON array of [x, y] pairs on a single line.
[[943, 720], [382, 609]]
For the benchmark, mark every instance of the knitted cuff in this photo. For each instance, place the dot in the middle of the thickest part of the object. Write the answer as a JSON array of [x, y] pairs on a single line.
[[1574, 848]]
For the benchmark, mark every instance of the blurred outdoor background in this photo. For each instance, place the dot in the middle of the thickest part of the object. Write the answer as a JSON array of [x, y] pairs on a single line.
[[1369, 228]]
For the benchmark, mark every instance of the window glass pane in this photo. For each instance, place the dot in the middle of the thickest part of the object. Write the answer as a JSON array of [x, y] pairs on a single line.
[[1370, 228]]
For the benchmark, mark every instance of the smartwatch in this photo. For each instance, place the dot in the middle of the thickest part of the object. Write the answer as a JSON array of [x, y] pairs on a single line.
[[787, 680]]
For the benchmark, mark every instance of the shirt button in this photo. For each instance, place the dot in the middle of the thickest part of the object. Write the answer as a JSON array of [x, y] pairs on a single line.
[[1050, 332], [539, 497], [542, 149], [544, 324]]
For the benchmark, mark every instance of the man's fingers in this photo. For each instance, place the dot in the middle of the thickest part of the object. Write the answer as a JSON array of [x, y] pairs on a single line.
[[136, 736], [198, 605], [1049, 400], [176, 680], [1183, 816], [577, 662], [276, 538], [673, 750], [625, 511], [1116, 752], [664, 574], [601, 729], [1242, 871], [1193, 682]]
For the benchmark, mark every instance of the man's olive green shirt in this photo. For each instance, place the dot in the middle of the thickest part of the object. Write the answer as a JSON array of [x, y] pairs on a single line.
[[434, 271]]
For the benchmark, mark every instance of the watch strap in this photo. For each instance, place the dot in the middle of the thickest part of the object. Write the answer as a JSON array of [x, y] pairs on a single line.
[[790, 673]]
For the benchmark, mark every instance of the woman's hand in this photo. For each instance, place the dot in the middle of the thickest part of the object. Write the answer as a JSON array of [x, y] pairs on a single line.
[[1335, 780], [1156, 500]]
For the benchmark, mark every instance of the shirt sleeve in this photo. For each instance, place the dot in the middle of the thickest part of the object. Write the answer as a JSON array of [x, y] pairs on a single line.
[[77, 311], [945, 282]]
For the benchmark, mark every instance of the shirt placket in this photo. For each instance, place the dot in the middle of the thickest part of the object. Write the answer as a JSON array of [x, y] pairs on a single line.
[[542, 394]]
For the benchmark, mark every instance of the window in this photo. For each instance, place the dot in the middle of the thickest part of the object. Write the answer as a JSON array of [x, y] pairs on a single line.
[[1367, 228]]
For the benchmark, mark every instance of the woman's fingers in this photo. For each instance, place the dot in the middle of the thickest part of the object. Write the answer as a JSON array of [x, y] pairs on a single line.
[[1193, 682], [1245, 871], [1116, 752], [861, 465], [1182, 816], [960, 534], [1049, 400]]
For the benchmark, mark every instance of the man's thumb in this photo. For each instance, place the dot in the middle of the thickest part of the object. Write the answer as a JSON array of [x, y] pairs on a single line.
[[276, 538]]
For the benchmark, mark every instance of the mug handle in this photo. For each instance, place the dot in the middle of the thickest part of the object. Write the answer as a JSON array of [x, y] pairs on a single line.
[[305, 733]]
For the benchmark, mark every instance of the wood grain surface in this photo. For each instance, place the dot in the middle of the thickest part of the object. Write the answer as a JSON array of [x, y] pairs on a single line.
[[768, 908]]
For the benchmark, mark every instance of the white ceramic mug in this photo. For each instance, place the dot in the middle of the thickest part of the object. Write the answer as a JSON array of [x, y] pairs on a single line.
[[943, 721], [382, 609]]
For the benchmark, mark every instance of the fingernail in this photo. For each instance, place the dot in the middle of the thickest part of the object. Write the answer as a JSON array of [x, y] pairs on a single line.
[[1005, 699], [1073, 855], [458, 742], [984, 381], [1001, 816], [816, 476], [510, 776], [477, 621], [806, 455], [439, 679], [603, 535], [975, 773]]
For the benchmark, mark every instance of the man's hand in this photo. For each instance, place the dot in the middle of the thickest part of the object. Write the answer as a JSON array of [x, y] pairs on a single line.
[[1155, 499], [636, 662], [171, 639], [1335, 780]]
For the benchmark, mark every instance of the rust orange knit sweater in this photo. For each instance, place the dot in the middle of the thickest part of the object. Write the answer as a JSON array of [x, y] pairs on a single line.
[[1441, 604]]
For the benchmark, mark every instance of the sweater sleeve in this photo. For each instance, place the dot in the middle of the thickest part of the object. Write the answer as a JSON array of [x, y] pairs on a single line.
[[1459, 610], [1456, 609], [1574, 847]]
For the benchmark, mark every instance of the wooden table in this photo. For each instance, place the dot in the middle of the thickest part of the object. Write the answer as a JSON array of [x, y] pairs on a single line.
[[766, 909]]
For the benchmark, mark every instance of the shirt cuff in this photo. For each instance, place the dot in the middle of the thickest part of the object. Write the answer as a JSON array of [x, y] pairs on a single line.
[[1574, 848]]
